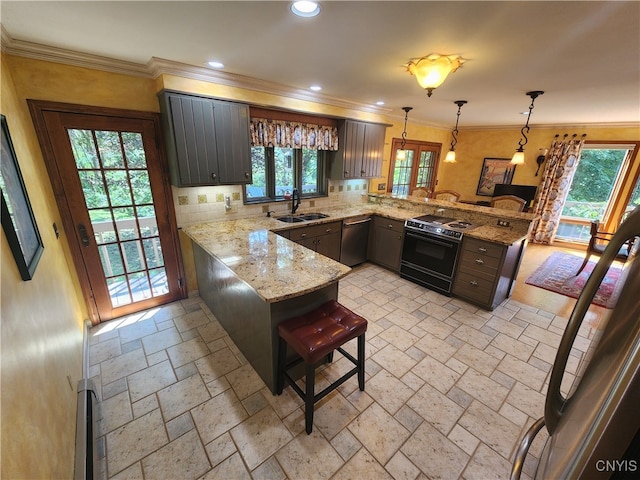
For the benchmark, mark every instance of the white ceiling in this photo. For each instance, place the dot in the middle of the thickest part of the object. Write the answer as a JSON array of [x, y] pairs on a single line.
[[584, 55]]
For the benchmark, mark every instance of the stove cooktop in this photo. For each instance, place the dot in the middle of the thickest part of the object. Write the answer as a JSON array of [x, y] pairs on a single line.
[[443, 226]]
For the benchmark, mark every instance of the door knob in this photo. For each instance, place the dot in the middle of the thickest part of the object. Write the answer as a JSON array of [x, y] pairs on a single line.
[[84, 238]]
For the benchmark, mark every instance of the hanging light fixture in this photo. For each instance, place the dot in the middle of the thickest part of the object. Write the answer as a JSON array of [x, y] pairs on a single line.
[[451, 154], [402, 153], [432, 70], [518, 157]]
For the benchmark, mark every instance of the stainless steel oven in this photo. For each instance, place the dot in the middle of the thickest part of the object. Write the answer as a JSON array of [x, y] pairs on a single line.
[[430, 251]]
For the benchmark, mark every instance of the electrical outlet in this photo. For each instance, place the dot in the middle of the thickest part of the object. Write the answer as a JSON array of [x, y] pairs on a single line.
[[504, 223]]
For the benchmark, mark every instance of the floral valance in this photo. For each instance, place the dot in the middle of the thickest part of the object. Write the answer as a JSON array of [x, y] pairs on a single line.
[[280, 133]]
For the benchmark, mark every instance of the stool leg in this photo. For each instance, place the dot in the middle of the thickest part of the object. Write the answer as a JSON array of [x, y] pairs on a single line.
[[361, 362], [282, 361], [309, 396]]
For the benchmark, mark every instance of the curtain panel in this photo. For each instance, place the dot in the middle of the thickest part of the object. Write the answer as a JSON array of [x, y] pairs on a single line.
[[279, 133], [562, 162]]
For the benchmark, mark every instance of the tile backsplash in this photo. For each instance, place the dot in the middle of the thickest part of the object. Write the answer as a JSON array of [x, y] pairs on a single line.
[[207, 204]]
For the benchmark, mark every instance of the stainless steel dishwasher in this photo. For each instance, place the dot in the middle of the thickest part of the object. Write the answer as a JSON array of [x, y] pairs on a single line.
[[355, 236]]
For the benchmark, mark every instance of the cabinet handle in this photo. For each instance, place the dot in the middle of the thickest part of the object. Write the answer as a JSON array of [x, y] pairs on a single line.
[[302, 235], [246, 174], [346, 174], [362, 172], [473, 283], [479, 261], [390, 226], [482, 250], [328, 230], [214, 175]]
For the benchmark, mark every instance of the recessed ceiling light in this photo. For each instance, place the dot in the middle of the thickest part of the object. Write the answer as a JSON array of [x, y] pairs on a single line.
[[215, 64], [380, 103], [315, 88], [305, 8]]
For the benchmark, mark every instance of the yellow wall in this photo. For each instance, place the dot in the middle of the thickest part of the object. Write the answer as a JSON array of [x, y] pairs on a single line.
[[474, 145], [42, 319], [41, 325]]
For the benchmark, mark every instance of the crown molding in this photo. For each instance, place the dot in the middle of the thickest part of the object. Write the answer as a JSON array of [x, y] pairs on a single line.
[[159, 66]]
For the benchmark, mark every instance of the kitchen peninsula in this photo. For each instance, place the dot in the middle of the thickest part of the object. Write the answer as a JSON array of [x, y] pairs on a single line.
[[251, 278]]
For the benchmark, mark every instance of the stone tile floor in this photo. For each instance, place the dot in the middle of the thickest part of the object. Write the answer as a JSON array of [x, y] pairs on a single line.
[[450, 390]]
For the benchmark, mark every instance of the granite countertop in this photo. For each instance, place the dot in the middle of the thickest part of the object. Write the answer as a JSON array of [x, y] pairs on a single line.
[[277, 268]]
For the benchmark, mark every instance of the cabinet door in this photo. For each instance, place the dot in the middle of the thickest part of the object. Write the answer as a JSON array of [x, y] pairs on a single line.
[[233, 142], [191, 138], [329, 245], [386, 244], [373, 150]]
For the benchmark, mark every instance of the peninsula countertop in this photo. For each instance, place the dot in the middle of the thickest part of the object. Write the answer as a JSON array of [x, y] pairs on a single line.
[[278, 269]]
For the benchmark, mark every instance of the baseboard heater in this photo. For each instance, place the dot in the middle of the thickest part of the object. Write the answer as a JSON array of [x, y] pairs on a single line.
[[86, 464]]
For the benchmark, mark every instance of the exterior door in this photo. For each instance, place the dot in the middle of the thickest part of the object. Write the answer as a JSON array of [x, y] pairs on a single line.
[[112, 191], [418, 168]]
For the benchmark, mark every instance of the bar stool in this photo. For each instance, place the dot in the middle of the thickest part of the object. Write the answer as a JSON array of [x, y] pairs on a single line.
[[314, 336]]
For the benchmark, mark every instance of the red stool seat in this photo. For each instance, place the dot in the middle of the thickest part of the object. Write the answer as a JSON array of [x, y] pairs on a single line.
[[314, 336]]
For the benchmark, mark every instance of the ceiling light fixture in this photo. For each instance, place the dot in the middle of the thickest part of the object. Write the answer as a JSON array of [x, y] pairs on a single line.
[[401, 154], [315, 88], [432, 70], [451, 154], [305, 8], [518, 157], [214, 64]]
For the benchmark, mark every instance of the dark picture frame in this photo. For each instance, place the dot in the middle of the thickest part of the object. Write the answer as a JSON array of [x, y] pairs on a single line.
[[18, 221], [494, 170]]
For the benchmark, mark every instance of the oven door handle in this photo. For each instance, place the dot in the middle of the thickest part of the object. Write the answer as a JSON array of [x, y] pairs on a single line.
[[431, 239]]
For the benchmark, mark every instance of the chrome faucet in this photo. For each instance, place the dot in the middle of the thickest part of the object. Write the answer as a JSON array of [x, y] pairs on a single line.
[[294, 206]]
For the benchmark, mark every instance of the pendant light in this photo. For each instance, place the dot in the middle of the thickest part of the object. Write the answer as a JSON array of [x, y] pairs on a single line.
[[401, 154], [518, 157], [451, 154]]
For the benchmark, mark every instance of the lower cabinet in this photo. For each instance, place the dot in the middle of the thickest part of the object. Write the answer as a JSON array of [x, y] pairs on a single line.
[[385, 242], [486, 271], [324, 238]]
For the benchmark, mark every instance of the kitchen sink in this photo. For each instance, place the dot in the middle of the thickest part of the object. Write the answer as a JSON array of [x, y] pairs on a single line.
[[290, 219], [314, 216]]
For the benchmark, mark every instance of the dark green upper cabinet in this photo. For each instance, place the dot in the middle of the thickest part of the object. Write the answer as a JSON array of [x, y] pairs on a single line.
[[360, 150], [208, 140]]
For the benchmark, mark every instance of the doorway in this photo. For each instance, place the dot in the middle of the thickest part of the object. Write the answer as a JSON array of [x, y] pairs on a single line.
[[108, 175], [417, 167]]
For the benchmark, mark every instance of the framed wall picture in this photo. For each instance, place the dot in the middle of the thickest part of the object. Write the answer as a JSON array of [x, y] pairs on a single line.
[[494, 170], [18, 221]]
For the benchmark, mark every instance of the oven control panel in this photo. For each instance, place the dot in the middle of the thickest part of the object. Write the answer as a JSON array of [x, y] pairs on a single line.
[[433, 229]]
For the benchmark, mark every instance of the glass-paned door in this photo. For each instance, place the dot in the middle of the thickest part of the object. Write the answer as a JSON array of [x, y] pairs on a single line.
[[121, 224], [112, 169], [415, 167]]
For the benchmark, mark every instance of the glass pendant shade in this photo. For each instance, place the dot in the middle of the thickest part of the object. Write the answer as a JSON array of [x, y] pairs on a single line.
[[401, 155], [518, 158], [432, 70], [451, 157]]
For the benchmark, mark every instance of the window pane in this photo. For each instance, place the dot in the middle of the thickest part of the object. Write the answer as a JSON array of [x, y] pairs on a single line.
[[258, 189], [134, 150], [84, 150], [110, 149], [284, 161], [310, 168]]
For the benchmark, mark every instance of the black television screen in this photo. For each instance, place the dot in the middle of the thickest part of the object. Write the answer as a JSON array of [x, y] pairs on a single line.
[[527, 192]]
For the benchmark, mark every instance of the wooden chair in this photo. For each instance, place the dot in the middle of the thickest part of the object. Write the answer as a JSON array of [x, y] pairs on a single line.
[[599, 241], [508, 202], [421, 192], [448, 195]]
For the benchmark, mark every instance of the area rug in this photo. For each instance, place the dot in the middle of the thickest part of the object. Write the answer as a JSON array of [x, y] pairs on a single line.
[[557, 272]]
